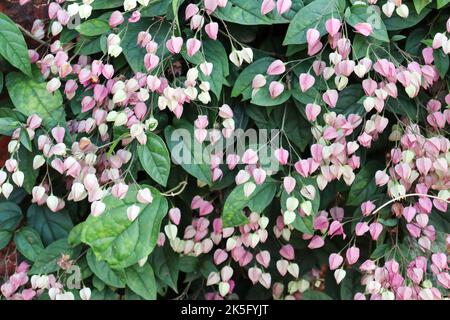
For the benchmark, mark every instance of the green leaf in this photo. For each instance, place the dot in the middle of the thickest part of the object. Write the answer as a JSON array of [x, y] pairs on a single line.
[[398, 37], [297, 128], [46, 261], [130, 295], [87, 45], [188, 264], [315, 295], [427, 42], [380, 251], [93, 27], [243, 83], [349, 286], [104, 47], [135, 54], [312, 95], [440, 220], [8, 125], [350, 101], [403, 106], [26, 166], [388, 222], [74, 237], [442, 3], [10, 216], [364, 187], [374, 49], [97, 283], [295, 48], [261, 116], [12, 45], [165, 264], [398, 23], [7, 111], [213, 52], [156, 8], [50, 225], [313, 15], [412, 45], [31, 97], [106, 4], [5, 237], [67, 35], [236, 201], [1, 81], [106, 294], [186, 149], [17, 196], [25, 141], [207, 266], [116, 239], [114, 278], [28, 242], [247, 12], [304, 224], [141, 280], [154, 158], [421, 4], [441, 61], [175, 7], [364, 13]]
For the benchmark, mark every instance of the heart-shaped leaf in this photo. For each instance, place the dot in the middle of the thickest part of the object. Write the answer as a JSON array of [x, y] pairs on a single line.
[[119, 241], [12, 45], [154, 158]]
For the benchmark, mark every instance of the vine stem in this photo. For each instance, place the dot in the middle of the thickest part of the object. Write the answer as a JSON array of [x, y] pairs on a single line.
[[29, 34], [409, 195], [171, 193]]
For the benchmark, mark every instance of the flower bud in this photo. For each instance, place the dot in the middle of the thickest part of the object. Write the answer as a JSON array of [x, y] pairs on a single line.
[[116, 19], [13, 146], [129, 5], [288, 217], [133, 212], [53, 85], [171, 231], [121, 119], [403, 11], [7, 189], [388, 8], [292, 203], [339, 275], [144, 196], [249, 187], [235, 58], [85, 294], [52, 203], [97, 208], [18, 177], [224, 288]]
